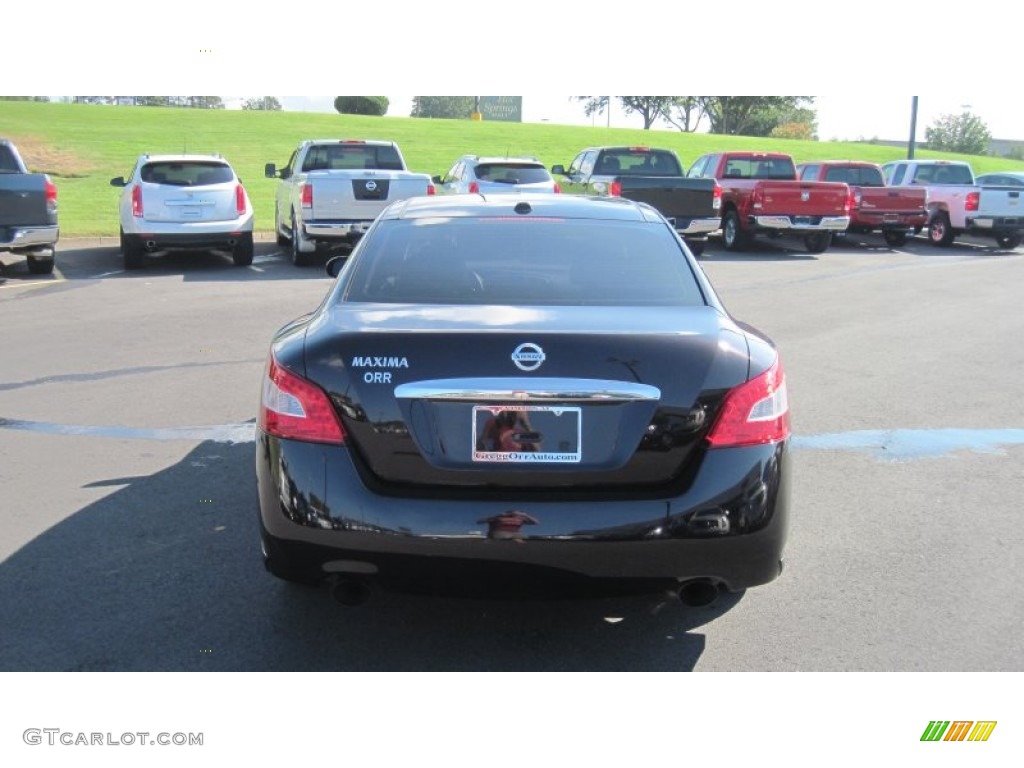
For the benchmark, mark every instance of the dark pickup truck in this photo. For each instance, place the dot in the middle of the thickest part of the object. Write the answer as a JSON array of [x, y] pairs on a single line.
[[28, 211], [896, 211], [761, 194], [652, 176]]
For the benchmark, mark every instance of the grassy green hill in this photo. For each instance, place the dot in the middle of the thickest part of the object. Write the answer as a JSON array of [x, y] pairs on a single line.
[[84, 146]]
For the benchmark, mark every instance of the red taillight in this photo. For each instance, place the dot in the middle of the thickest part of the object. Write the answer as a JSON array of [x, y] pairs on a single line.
[[137, 201], [307, 195], [51, 196], [558, 189], [971, 201], [240, 200], [297, 409], [757, 198], [755, 412], [474, 188], [851, 202], [431, 190], [716, 202], [615, 189]]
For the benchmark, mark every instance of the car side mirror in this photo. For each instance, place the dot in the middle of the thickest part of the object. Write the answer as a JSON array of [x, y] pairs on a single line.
[[118, 182], [559, 169], [270, 171], [335, 264]]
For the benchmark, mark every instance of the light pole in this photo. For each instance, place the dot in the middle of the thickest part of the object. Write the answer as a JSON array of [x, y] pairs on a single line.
[[913, 129]]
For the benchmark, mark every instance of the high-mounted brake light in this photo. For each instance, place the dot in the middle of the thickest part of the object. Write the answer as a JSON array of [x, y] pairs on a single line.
[[639, 149], [716, 201], [240, 200], [754, 413], [307, 195], [474, 188], [297, 409], [615, 189], [137, 201], [972, 201]]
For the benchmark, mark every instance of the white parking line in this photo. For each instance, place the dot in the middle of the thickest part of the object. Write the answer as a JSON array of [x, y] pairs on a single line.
[[106, 274]]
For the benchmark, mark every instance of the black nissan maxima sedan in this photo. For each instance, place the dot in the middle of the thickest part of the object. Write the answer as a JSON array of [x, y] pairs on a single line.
[[533, 391]]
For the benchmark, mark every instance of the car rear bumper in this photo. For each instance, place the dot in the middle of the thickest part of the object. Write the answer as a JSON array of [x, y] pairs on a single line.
[[895, 221], [189, 234], [696, 226], [728, 525], [335, 230], [798, 223], [28, 237], [996, 223]]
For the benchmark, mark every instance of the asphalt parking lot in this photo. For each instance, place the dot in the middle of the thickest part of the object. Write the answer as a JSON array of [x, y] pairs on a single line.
[[128, 531]]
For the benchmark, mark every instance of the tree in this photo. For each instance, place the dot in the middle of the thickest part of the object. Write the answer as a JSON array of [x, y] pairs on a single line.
[[685, 113], [964, 133], [452, 107], [24, 98], [650, 108], [262, 103], [753, 115], [361, 105]]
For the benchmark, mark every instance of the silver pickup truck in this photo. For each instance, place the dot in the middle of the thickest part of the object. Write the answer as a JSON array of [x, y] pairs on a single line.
[[28, 211], [331, 190], [957, 206]]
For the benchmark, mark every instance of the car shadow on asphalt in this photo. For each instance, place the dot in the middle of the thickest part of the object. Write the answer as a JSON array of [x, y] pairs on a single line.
[[165, 574]]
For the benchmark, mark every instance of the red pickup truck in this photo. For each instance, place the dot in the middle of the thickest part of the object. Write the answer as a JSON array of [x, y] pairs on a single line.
[[894, 210], [761, 194]]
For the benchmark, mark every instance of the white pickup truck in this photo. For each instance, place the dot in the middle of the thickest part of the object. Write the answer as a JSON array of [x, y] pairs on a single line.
[[956, 205], [332, 189]]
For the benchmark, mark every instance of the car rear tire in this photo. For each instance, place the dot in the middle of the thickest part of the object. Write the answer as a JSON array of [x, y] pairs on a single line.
[[895, 238], [940, 233], [733, 236], [41, 265], [819, 242], [281, 238], [299, 258], [243, 251], [1010, 240], [131, 251]]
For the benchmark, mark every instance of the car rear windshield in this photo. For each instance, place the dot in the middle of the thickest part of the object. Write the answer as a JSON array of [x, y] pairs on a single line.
[[512, 173], [187, 174], [322, 157], [637, 161], [943, 174], [524, 262], [7, 161], [858, 176], [778, 168]]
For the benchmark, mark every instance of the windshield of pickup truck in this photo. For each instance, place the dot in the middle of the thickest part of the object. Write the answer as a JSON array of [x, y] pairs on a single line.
[[186, 174], [638, 161], [351, 157], [861, 176], [779, 168]]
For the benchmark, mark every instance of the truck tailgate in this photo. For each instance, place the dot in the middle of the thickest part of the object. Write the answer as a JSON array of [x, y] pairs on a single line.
[[360, 195], [802, 198], [23, 200], [891, 199], [1000, 202], [674, 198]]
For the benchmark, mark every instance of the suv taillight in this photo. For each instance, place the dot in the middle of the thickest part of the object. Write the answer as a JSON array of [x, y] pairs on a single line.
[[307, 195], [558, 189], [137, 201], [474, 188], [615, 189], [972, 201], [753, 413], [240, 200], [294, 408], [716, 201], [431, 190]]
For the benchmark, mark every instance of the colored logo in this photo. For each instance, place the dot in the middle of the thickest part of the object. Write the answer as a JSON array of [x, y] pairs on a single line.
[[958, 730]]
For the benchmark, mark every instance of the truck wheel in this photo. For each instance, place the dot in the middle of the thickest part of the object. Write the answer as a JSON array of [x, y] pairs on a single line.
[[299, 259], [818, 242], [243, 251], [895, 238], [940, 232], [1009, 240], [696, 246], [281, 239], [733, 237], [41, 265], [131, 250]]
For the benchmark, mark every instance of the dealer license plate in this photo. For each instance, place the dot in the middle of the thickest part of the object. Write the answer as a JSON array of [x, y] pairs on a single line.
[[544, 434]]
